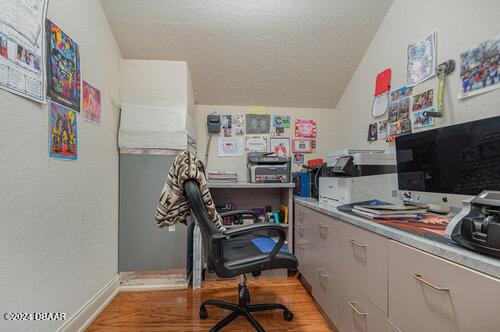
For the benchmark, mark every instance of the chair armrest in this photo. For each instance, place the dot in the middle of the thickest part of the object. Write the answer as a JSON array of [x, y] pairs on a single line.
[[261, 226], [240, 212]]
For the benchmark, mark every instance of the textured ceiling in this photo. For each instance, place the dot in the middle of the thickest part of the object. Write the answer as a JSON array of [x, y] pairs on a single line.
[[296, 53]]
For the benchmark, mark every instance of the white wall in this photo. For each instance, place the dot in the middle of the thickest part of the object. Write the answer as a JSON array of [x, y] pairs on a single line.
[[59, 219], [324, 118], [460, 24]]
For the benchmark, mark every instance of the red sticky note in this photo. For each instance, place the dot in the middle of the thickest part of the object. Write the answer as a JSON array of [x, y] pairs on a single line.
[[383, 82]]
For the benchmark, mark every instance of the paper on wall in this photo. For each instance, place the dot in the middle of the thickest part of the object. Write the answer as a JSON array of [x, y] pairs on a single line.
[[230, 147], [258, 110], [380, 103], [22, 48], [256, 144], [421, 60]]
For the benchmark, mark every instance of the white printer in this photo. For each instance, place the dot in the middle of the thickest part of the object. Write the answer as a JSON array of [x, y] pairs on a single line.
[[359, 175]]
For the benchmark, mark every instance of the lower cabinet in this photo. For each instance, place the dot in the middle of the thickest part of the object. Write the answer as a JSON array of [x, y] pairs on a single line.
[[325, 287], [427, 293], [357, 313]]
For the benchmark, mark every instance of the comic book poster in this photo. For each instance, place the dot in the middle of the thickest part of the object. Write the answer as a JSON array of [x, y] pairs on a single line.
[[91, 103], [63, 132], [63, 68], [305, 128], [421, 60], [421, 121], [423, 100], [400, 93], [479, 68], [398, 128], [404, 108]]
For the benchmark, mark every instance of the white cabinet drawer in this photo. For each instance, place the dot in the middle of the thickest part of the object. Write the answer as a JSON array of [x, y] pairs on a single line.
[[363, 261], [325, 237], [325, 287], [357, 313], [427, 293], [303, 254]]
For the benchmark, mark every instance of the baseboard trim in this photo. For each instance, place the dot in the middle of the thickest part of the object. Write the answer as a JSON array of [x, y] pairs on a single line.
[[86, 314]]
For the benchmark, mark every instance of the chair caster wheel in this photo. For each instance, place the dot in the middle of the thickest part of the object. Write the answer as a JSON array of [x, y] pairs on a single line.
[[288, 315], [203, 313]]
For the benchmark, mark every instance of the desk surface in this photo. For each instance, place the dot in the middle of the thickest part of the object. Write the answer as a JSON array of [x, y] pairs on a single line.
[[248, 185]]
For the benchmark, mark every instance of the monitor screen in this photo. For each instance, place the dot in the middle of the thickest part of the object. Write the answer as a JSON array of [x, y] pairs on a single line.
[[460, 159]]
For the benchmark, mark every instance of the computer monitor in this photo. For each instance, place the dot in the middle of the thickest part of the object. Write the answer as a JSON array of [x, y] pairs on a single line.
[[449, 164]]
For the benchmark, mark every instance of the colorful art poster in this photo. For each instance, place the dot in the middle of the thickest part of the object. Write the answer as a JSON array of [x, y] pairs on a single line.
[[256, 144], [400, 93], [63, 132], [372, 132], [479, 68], [258, 123], [226, 125], [305, 128], [239, 124], [281, 121], [404, 108], [392, 115], [230, 147], [423, 100], [421, 60], [298, 159], [63, 63], [398, 128], [382, 130], [22, 48], [91, 101], [421, 121], [280, 147], [301, 146]]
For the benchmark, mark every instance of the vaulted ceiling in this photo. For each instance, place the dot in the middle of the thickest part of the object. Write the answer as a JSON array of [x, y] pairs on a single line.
[[296, 53]]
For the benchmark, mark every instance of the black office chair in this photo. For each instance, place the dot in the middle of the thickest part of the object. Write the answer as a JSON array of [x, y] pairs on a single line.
[[232, 254]]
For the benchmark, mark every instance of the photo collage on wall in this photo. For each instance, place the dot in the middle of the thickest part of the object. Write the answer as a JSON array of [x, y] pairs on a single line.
[[260, 131]]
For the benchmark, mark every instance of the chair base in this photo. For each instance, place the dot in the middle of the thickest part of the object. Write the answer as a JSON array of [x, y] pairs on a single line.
[[243, 308]]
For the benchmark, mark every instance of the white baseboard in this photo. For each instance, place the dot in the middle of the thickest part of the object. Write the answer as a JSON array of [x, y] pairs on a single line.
[[86, 314]]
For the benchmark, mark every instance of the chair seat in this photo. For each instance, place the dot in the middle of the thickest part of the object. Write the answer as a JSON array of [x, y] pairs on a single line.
[[240, 254]]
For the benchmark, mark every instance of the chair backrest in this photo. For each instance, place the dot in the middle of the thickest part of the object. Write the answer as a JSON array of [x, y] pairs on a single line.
[[201, 216]]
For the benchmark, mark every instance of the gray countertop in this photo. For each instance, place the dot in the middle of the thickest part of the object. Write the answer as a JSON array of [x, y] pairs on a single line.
[[249, 185], [451, 252]]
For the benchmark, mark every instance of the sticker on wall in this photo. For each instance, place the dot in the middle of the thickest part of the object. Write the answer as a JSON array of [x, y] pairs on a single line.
[[91, 102], [421, 60], [63, 132], [421, 121], [305, 128], [258, 123], [423, 100], [479, 68], [256, 144], [372, 132], [382, 130], [404, 108], [301, 146], [230, 147], [398, 128], [298, 159], [238, 124], [63, 68], [280, 147]]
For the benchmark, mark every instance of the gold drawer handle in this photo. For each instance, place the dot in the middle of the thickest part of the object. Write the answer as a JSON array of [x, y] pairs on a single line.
[[354, 243], [419, 278], [319, 271], [351, 304]]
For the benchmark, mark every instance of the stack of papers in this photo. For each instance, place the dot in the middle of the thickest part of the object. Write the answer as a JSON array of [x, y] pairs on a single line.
[[388, 211], [222, 176]]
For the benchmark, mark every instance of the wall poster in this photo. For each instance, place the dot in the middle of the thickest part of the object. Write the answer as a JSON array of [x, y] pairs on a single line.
[[421, 60], [230, 147], [63, 132], [256, 144], [305, 128], [63, 68], [91, 101], [258, 123], [22, 47]]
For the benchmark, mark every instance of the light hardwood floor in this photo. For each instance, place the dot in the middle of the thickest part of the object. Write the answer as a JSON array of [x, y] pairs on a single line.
[[177, 310]]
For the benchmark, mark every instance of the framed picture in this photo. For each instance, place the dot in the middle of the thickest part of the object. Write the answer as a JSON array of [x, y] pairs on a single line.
[[280, 147], [305, 128], [301, 146]]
